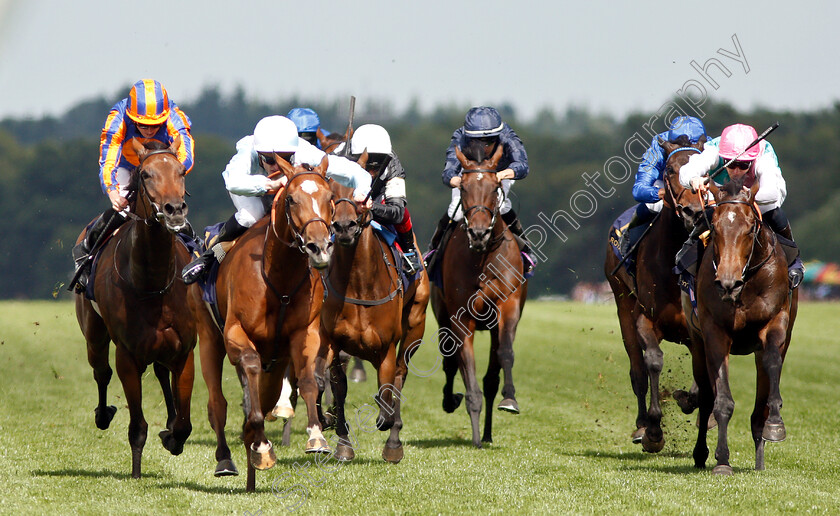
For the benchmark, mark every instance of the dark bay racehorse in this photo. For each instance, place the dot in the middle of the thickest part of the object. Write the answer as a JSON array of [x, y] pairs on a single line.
[[367, 312], [649, 308], [141, 303], [744, 306], [270, 295], [483, 289]]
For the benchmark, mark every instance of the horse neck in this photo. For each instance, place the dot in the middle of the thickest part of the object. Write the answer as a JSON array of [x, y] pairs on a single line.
[[151, 257]]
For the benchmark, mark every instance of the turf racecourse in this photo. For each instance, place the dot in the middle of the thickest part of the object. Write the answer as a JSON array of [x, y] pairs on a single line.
[[568, 452]]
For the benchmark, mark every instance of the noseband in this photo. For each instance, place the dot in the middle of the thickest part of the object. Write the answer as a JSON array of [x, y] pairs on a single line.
[[362, 219], [297, 234]]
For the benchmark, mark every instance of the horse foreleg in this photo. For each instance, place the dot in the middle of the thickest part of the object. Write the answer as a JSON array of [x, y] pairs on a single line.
[[718, 344], [491, 385], [705, 401], [283, 408], [306, 347], [258, 448], [466, 364], [451, 400], [338, 381], [505, 355], [385, 395], [212, 354], [653, 440], [766, 420], [177, 432], [129, 372], [162, 374]]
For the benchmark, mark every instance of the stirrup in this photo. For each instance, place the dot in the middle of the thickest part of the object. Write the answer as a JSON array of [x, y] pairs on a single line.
[[411, 263]]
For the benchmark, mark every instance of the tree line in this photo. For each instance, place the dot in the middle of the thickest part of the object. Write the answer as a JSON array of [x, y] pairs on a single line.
[[576, 187]]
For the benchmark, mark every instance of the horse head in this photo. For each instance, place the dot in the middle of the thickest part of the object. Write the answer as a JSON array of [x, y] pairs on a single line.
[[307, 203], [481, 195], [736, 224], [350, 218], [687, 205], [159, 184]]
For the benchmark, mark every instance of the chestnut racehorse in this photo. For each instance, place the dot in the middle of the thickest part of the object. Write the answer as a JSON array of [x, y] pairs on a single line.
[[649, 308], [367, 312], [744, 306], [270, 294], [483, 289], [141, 303]]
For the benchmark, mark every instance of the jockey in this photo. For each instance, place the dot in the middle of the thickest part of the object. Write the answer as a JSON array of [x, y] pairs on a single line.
[[146, 114], [388, 190], [649, 188], [308, 124], [759, 163], [485, 125], [247, 182]]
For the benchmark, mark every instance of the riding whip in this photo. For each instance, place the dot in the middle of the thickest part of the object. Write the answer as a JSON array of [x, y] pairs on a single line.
[[760, 137]]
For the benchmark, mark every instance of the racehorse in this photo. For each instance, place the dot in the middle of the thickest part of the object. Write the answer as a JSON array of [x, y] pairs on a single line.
[[141, 303], [744, 306], [367, 312], [649, 308], [269, 297], [483, 289]]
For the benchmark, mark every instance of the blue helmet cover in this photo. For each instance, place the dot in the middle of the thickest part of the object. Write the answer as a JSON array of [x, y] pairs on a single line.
[[305, 119], [482, 121]]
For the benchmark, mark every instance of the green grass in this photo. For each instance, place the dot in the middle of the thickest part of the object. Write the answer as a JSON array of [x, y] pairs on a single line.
[[568, 452]]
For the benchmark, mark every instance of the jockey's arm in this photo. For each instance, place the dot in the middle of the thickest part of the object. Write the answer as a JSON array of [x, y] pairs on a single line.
[[699, 165]]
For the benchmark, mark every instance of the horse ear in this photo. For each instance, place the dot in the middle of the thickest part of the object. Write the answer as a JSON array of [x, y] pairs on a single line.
[[668, 147], [701, 142], [322, 138], [754, 190], [363, 159], [497, 155], [287, 168], [176, 144], [323, 166], [460, 155], [139, 148]]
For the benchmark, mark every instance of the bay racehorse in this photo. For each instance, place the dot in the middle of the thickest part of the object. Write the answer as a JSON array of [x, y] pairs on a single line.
[[744, 306], [367, 313], [483, 289], [141, 303], [269, 296], [649, 305]]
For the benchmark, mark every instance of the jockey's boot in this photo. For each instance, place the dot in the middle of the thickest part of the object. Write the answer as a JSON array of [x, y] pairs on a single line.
[[434, 244], [688, 255], [642, 215], [81, 251], [412, 257], [796, 269], [196, 269], [515, 227]]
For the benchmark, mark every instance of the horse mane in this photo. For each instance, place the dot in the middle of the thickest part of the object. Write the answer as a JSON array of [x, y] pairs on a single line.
[[474, 150], [734, 186], [682, 140]]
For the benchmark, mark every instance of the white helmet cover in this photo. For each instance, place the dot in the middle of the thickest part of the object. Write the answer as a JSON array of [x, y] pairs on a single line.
[[372, 137], [275, 134]]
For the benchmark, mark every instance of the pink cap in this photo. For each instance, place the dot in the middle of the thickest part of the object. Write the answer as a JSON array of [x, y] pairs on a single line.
[[735, 139]]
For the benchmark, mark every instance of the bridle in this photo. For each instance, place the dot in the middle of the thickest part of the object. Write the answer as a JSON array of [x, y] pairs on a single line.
[[297, 233], [757, 222], [157, 213], [480, 207], [362, 219], [678, 206]]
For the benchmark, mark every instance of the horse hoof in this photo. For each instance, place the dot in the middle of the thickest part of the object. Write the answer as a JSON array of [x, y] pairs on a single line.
[[392, 455], [710, 424], [723, 469], [103, 417], [509, 405], [638, 435], [226, 468], [684, 401], [452, 403], [358, 375], [317, 445], [280, 413], [774, 432], [652, 446], [344, 453], [262, 457], [170, 443]]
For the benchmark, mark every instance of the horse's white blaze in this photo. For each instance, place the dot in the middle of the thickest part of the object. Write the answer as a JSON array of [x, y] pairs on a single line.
[[731, 216], [315, 208], [309, 186], [314, 432], [480, 175]]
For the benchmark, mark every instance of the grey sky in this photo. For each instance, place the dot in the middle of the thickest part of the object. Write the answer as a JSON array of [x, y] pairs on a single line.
[[607, 56]]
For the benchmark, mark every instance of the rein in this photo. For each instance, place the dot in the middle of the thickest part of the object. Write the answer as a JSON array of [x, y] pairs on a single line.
[[493, 213], [158, 213], [297, 236], [365, 302]]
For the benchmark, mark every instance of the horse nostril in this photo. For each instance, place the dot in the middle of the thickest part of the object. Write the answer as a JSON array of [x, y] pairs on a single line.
[[312, 248], [688, 213]]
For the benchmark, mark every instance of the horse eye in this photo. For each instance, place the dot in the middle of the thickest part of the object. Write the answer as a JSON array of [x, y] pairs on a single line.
[[145, 175]]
